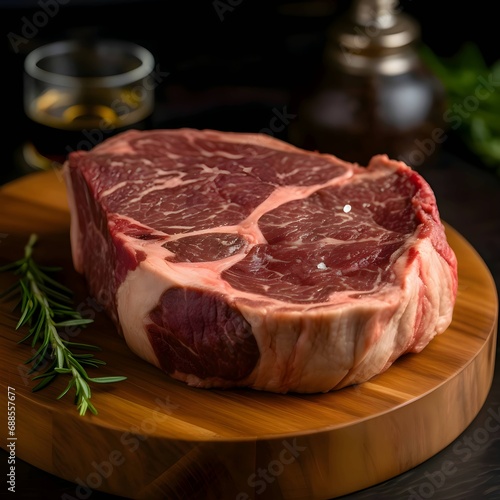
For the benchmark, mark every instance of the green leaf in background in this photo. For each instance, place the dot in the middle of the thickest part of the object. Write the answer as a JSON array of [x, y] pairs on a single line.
[[473, 93]]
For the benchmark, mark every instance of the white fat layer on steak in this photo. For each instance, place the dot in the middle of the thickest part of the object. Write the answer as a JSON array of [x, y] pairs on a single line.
[[136, 297]]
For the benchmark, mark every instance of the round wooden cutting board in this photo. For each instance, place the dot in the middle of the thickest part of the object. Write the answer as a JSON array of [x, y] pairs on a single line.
[[157, 438]]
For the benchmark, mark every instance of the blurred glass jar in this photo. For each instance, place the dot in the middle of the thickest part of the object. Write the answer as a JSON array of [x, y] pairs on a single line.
[[77, 92], [374, 94]]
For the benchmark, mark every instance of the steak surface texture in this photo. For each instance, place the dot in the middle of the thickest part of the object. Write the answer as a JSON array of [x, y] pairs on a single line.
[[237, 260]]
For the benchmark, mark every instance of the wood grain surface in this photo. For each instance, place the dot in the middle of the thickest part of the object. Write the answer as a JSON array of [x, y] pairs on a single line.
[[157, 438]]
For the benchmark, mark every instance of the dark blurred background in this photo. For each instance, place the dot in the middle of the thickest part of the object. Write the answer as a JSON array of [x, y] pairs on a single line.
[[225, 64]]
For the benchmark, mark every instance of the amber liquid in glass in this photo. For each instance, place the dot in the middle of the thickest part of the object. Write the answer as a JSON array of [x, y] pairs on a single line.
[[60, 122]]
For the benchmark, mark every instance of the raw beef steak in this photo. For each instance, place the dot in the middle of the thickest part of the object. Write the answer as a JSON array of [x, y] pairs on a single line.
[[230, 259]]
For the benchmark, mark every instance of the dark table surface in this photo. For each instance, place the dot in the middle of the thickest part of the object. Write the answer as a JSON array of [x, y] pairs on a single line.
[[468, 195]]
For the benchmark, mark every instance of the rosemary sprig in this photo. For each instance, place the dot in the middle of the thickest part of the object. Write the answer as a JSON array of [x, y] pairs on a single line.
[[45, 306]]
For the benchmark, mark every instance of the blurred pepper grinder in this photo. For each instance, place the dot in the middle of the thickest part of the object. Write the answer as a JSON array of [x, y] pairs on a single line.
[[374, 95]]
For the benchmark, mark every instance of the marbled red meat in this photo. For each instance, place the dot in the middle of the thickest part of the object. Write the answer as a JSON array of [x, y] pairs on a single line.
[[238, 260]]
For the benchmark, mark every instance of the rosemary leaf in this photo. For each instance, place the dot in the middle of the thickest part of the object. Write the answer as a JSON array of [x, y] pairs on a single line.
[[45, 278], [36, 329], [11, 266], [50, 269], [44, 383], [94, 363], [77, 345], [53, 294], [107, 380], [62, 370], [45, 306], [74, 322], [24, 339], [68, 387]]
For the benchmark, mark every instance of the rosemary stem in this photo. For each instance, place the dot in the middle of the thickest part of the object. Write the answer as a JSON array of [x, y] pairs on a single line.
[[45, 308]]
